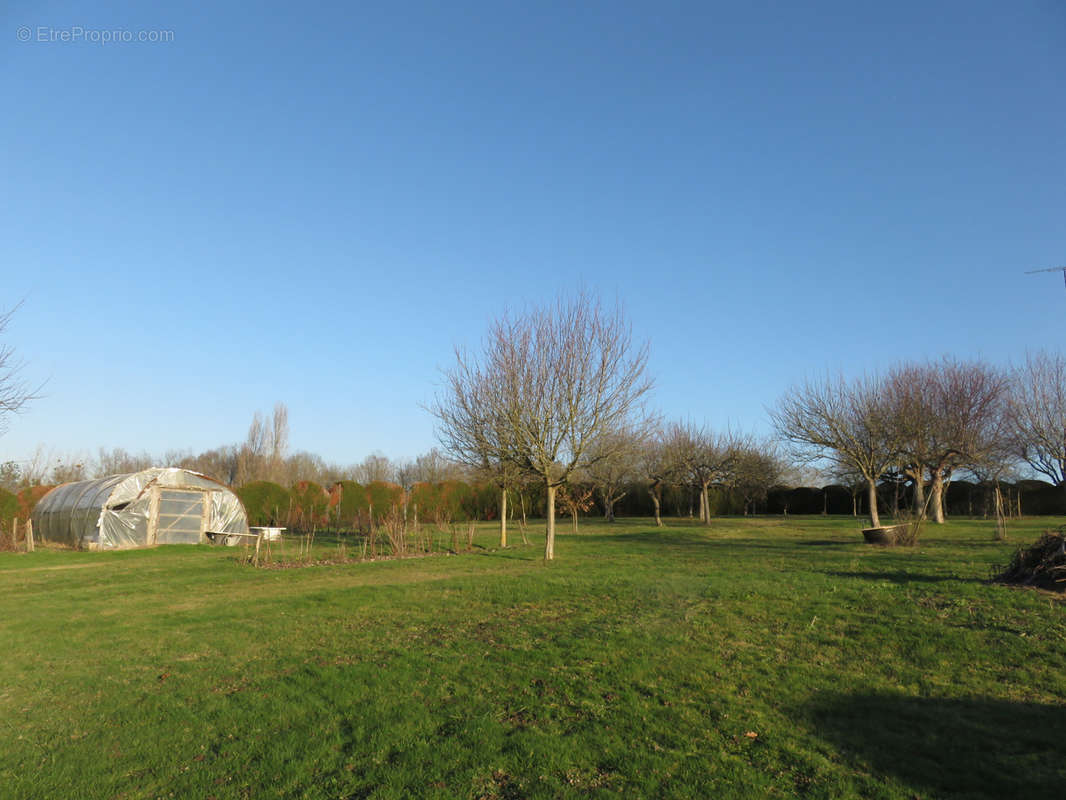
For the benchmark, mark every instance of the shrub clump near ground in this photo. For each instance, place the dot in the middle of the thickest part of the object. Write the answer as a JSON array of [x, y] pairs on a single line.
[[310, 504], [383, 497], [8, 511], [1042, 564], [266, 503], [348, 501], [28, 499]]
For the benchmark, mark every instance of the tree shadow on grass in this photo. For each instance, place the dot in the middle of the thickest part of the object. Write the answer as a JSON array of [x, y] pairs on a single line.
[[826, 542], [901, 577], [653, 538], [969, 747]]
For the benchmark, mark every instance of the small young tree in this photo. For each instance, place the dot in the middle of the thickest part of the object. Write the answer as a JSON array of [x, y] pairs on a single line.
[[548, 384], [575, 498]]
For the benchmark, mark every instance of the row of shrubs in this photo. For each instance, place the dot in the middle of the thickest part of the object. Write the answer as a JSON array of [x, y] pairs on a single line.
[[347, 505]]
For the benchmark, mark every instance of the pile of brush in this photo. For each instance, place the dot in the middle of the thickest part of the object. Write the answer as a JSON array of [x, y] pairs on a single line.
[[1042, 564]]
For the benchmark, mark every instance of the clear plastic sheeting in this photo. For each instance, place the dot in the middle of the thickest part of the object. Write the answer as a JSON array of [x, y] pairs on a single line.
[[154, 506]]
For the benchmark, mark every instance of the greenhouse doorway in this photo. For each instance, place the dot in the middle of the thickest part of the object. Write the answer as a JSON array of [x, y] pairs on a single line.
[[181, 516]]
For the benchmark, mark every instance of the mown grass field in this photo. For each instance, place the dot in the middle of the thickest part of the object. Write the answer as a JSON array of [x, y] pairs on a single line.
[[756, 658]]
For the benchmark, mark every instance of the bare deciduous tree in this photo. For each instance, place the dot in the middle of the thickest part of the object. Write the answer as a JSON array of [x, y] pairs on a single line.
[[1037, 414], [575, 498], [847, 424], [470, 433], [221, 463], [947, 415], [657, 470], [614, 465], [549, 383], [756, 468], [278, 444], [375, 467], [118, 461], [15, 393], [702, 457], [262, 456], [433, 467]]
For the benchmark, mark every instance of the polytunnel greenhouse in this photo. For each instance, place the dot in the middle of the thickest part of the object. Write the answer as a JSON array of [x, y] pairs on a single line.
[[154, 506]]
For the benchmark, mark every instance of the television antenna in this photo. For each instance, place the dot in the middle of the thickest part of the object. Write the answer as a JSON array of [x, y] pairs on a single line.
[[1050, 269]]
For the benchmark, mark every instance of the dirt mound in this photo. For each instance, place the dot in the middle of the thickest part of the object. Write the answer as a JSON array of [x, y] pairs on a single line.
[[1042, 565]]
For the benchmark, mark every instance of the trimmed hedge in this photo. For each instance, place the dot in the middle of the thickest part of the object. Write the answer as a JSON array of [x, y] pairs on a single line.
[[348, 501], [266, 503], [310, 504]]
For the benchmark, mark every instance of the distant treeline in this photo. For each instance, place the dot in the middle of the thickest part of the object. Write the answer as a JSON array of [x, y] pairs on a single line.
[[348, 505]]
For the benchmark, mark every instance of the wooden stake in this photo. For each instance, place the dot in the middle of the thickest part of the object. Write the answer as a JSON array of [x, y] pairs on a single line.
[[29, 536], [258, 542]]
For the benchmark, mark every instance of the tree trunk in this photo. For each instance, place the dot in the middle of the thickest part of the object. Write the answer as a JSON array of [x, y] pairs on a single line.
[[1001, 527], [503, 517], [871, 493], [656, 503], [705, 505], [919, 495], [549, 541], [573, 516], [610, 509], [936, 501]]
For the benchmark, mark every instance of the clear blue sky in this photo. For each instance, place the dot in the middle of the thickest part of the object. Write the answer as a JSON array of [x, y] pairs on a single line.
[[313, 203]]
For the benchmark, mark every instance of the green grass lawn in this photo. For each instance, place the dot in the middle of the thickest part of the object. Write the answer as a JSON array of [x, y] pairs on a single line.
[[757, 658]]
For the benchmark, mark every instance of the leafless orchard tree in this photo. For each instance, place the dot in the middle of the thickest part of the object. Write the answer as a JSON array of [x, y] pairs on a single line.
[[1037, 414], [656, 468], [845, 423], [614, 464], [757, 467], [703, 458], [549, 383], [469, 431], [948, 415], [852, 480], [15, 393]]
